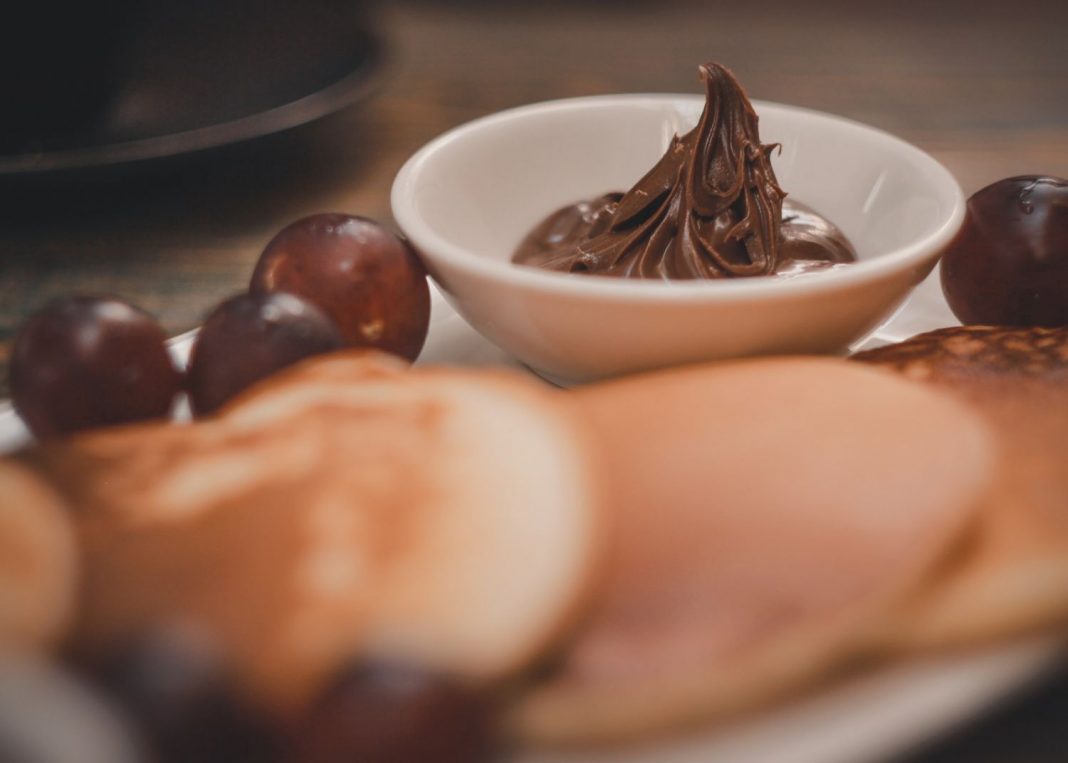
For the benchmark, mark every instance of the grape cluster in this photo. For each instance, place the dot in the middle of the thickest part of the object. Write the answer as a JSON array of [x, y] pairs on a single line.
[[324, 282]]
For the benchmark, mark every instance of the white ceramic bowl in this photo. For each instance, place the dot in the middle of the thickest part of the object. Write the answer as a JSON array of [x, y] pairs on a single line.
[[466, 199]]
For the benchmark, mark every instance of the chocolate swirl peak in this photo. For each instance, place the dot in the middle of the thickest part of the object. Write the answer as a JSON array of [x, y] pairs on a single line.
[[710, 208]]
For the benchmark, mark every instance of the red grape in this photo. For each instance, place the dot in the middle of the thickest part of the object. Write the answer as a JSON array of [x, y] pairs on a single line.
[[85, 362], [250, 336], [177, 690], [393, 714], [1009, 263], [365, 278]]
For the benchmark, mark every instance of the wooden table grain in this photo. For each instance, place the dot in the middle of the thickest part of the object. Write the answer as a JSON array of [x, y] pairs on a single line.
[[982, 86]]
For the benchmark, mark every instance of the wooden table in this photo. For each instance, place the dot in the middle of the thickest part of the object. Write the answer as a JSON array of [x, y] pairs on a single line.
[[982, 86]]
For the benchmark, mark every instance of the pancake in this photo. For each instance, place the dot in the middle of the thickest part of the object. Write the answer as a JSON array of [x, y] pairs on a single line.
[[1013, 576], [37, 562], [343, 509], [767, 514]]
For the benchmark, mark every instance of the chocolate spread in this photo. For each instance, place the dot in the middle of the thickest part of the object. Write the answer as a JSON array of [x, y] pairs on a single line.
[[710, 208]]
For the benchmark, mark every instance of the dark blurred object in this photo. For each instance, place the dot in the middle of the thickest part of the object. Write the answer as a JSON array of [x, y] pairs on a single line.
[[1030, 728], [59, 65], [384, 713], [47, 716], [97, 84], [176, 690]]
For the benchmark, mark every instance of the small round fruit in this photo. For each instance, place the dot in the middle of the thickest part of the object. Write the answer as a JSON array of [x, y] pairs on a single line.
[[249, 337], [176, 689], [393, 714], [85, 362], [1009, 263], [365, 278]]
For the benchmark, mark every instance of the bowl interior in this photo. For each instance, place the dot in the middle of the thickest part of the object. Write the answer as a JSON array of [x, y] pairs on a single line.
[[484, 185]]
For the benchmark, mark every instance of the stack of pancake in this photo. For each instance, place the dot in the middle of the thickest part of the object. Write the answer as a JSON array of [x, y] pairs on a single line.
[[666, 549]]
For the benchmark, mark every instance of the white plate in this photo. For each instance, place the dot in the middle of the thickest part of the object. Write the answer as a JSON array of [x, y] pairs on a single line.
[[866, 718]]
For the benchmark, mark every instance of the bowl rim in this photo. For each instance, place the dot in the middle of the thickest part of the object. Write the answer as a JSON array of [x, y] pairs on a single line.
[[435, 247]]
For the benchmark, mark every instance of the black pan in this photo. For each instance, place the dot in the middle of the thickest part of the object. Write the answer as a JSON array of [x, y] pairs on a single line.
[[92, 85]]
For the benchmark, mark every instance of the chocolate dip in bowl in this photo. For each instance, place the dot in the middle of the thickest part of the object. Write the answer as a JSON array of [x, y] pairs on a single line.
[[469, 198]]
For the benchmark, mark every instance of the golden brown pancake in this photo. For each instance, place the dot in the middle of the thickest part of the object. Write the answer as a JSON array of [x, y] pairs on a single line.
[[37, 561], [347, 507], [768, 514], [1013, 575]]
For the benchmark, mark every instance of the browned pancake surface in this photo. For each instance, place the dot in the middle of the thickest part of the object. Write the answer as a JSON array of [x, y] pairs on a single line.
[[38, 561], [768, 513], [1014, 574], [348, 507]]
